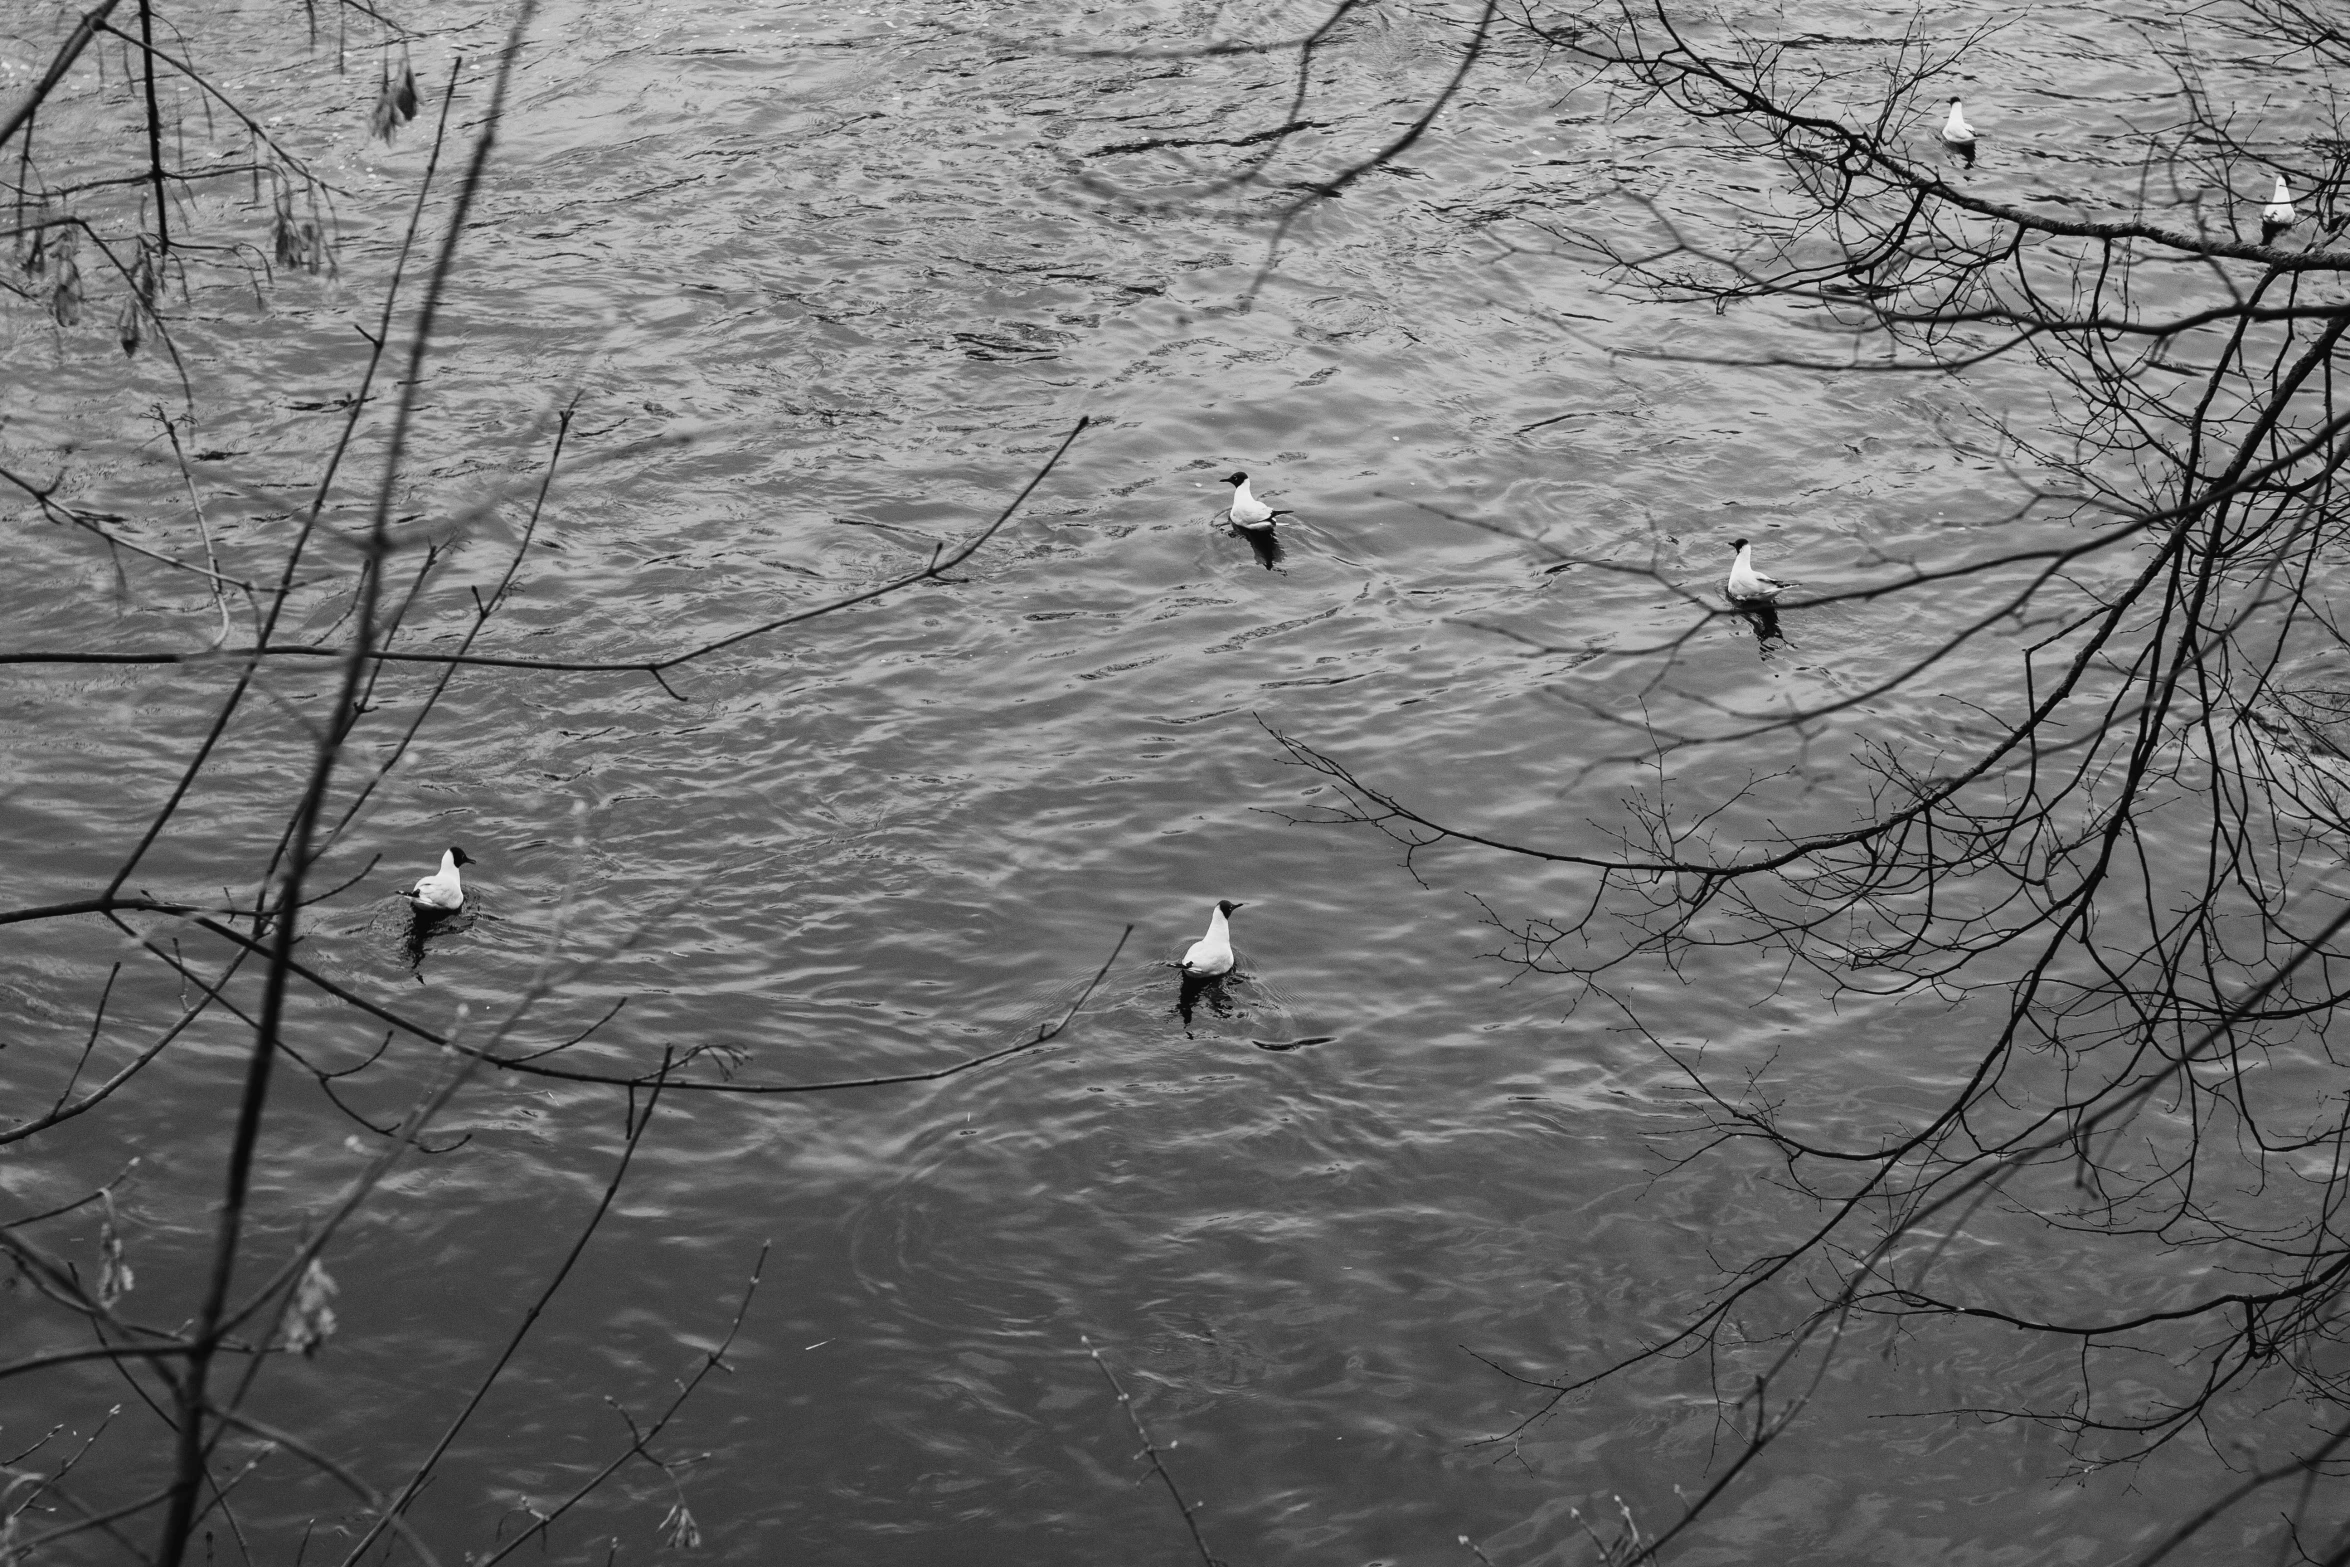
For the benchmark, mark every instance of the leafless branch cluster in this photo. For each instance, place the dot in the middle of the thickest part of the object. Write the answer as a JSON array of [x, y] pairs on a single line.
[[261, 1290], [131, 160], [2123, 880]]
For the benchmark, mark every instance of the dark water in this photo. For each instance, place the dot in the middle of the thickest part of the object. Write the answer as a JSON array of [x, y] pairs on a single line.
[[862, 268]]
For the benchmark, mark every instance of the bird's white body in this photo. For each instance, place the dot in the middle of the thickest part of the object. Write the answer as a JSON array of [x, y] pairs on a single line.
[[1211, 955], [1247, 510], [2278, 215], [1747, 585], [444, 888], [1958, 135]]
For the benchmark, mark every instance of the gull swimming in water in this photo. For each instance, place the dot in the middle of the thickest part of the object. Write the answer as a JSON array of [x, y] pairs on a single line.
[[1211, 955], [2278, 215], [1247, 510], [1747, 585], [1958, 135], [443, 889]]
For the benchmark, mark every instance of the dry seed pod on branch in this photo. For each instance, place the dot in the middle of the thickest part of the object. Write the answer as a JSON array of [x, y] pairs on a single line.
[[395, 101]]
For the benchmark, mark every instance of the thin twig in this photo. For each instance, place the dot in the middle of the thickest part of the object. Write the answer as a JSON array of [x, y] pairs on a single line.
[[1151, 1450]]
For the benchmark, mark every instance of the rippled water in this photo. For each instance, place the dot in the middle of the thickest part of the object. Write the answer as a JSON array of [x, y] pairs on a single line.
[[829, 284]]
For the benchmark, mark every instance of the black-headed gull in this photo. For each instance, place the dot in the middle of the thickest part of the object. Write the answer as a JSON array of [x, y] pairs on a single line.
[[1211, 955], [443, 889], [1958, 135], [1247, 510], [2278, 215], [1747, 585]]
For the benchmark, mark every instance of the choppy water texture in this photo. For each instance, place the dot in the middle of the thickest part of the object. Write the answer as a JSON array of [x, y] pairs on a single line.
[[829, 283]]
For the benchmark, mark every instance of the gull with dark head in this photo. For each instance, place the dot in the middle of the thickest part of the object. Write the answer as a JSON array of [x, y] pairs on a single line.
[[2278, 215], [1958, 135], [1247, 510], [443, 891], [1747, 585], [1211, 955]]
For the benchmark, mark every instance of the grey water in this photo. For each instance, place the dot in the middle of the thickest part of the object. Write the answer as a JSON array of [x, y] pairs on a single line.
[[828, 284]]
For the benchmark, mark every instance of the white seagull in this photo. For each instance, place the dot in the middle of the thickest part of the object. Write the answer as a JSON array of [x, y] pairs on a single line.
[[2278, 215], [1747, 585], [443, 889], [1211, 955], [1247, 510], [1958, 135]]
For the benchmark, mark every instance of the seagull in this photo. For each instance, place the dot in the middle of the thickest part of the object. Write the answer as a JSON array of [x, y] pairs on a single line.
[[1211, 955], [1958, 135], [2278, 215], [1247, 510], [443, 889], [1747, 585]]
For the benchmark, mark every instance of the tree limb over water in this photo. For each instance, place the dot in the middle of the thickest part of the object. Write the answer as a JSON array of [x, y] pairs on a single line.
[[2123, 878], [247, 1284], [942, 560]]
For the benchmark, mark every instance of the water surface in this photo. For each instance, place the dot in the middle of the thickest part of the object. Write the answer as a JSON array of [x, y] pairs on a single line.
[[828, 284]]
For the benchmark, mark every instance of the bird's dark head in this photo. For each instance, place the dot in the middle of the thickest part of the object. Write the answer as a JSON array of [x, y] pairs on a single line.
[[1227, 906], [1737, 544], [1954, 100], [1237, 478], [458, 856]]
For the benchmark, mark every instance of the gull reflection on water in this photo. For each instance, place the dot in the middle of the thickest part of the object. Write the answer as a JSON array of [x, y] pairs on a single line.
[[1222, 1004], [400, 929], [1211, 986], [1264, 543], [1267, 544], [1763, 620]]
